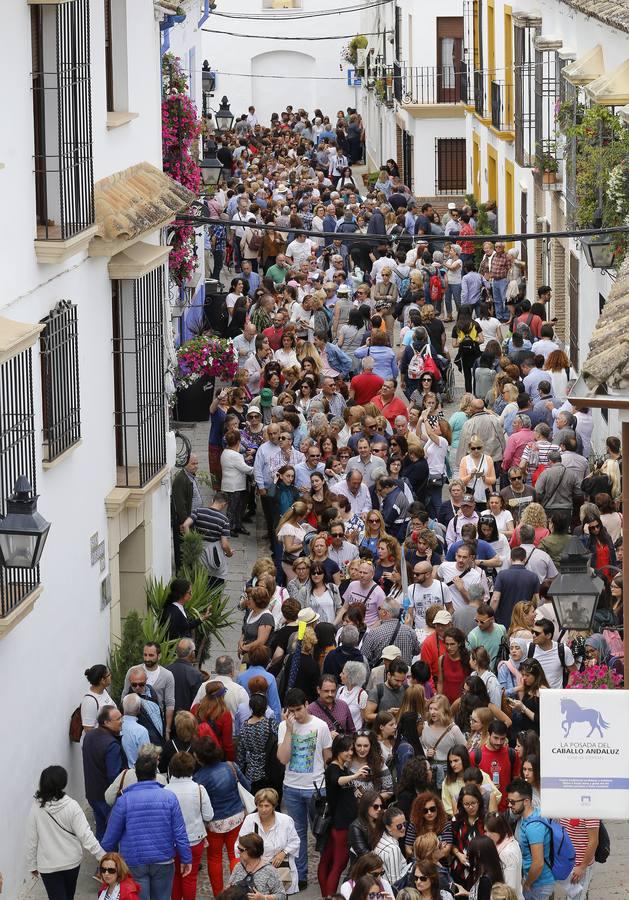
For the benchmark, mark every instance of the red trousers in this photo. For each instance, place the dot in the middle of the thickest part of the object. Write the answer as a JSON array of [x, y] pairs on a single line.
[[333, 861], [216, 842], [186, 888]]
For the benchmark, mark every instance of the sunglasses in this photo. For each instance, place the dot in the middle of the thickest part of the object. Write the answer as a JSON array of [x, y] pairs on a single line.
[[109, 870], [475, 447], [515, 478], [376, 805], [537, 633], [400, 826], [430, 809], [137, 683], [422, 878]]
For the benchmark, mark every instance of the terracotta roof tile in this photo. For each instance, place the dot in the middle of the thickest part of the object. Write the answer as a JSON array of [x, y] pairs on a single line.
[[136, 200], [170, 6], [607, 362], [612, 12]]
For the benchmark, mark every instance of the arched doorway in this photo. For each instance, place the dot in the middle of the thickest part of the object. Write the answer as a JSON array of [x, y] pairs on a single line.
[[290, 78]]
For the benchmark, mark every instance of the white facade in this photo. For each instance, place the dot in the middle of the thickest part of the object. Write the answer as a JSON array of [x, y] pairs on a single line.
[[564, 34], [46, 645], [421, 121], [270, 74]]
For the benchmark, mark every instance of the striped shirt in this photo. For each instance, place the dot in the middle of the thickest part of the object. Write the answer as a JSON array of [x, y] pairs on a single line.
[[210, 523], [578, 832]]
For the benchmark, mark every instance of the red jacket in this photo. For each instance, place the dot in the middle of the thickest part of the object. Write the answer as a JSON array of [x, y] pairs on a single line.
[[221, 731], [430, 654], [129, 889]]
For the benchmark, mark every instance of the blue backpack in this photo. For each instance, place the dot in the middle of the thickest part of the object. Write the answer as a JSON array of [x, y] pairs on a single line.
[[562, 853]]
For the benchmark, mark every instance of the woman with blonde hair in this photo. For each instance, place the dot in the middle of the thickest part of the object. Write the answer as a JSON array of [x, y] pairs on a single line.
[[308, 351], [522, 620], [510, 410], [477, 471], [215, 720], [185, 730], [535, 516], [439, 735], [384, 295], [479, 727], [493, 398], [375, 531], [291, 531]]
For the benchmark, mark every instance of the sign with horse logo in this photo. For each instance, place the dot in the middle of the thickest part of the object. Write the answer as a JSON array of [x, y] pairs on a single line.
[[584, 753]]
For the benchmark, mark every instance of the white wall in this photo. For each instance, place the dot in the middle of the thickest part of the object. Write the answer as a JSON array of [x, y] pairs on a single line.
[[43, 658], [303, 72]]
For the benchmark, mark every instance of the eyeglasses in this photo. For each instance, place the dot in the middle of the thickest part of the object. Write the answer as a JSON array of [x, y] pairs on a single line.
[[537, 633], [419, 574], [515, 478], [513, 802], [422, 878], [430, 809], [137, 683], [108, 870], [400, 826], [594, 527], [314, 456], [376, 805], [426, 378], [475, 447], [284, 437], [374, 521]]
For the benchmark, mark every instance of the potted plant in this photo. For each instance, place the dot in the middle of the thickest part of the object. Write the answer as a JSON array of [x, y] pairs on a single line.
[[548, 165], [349, 53], [180, 15]]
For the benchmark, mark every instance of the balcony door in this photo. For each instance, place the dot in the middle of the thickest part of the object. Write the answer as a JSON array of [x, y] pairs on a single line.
[[449, 59]]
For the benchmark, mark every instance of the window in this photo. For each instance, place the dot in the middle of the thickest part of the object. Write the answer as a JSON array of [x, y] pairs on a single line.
[[17, 457], [109, 58], [451, 159], [450, 59], [573, 296], [546, 95], [524, 93], [139, 367], [62, 113], [59, 351]]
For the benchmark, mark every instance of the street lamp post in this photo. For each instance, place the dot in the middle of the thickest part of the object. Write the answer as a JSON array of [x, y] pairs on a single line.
[[599, 251], [224, 117], [575, 591], [23, 531], [211, 166], [207, 86]]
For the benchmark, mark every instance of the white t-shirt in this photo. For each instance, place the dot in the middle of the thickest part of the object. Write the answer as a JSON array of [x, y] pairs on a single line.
[[490, 327], [423, 597], [306, 753], [152, 676], [551, 664], [504, 519], [90, 710], [296, 531], [448, 570], [300, 252], [356, 699], [502, 549], [436, 456]]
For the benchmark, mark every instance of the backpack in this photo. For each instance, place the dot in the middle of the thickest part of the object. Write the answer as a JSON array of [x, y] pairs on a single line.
[[503, 654], [614, 642], [435, 288], [256, 241], [538, 471], [562, 854], [421, 362], [416, 366], [75, 731], [561, 651]]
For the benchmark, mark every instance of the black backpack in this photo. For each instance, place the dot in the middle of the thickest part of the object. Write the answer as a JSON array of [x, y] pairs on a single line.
[[561, 651], [503, 653], [604, 844]]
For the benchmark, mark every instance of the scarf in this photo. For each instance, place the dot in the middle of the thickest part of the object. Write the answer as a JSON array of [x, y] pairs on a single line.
[[524, 646], [601, 646]]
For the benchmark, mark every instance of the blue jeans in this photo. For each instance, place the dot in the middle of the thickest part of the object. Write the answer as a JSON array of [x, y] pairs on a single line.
[[542, 892], [101, 811], [453, 292], [156, 881], [499, 290], [296, 802]]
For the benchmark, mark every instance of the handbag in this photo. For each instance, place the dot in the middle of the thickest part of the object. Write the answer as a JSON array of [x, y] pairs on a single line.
[[246, 796], [283, 870], [320, 817]]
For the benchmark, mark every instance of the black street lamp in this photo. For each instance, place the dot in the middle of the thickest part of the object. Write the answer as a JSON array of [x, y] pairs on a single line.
[[224, 117], [599, 251], [23, 531], [211, 166], [575, 591], [207, 86]]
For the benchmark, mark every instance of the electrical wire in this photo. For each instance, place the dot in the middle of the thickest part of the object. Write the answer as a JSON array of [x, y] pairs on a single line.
[[283, 37], [280, 15]]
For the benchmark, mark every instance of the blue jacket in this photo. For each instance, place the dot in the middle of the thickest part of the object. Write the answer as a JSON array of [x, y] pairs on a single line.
[[147, 823], [338, 359], [220, 783], [384, 360]]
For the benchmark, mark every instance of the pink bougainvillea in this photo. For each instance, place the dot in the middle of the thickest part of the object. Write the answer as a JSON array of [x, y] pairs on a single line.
[[595, 678], [181, 127], [205, 355]]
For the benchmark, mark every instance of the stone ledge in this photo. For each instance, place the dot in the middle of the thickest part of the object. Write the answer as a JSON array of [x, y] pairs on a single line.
[[16, 615]]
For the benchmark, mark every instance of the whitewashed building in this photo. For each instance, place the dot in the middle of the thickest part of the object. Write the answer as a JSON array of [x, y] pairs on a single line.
[[273, 56], [525, 64], [414, 91], [82, 320]]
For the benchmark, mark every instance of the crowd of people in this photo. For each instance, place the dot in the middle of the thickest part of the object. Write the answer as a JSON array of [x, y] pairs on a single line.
[[383, 714]]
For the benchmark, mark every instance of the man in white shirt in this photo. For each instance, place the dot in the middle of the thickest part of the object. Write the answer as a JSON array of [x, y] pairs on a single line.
[[555, 659], [303, 746], [341, 552], [224, 669], [537, 561], [245, 343], [300, 249], [355, 491], [366, 463], [460, 574], [426, 591], [252, 119], [466, 515]]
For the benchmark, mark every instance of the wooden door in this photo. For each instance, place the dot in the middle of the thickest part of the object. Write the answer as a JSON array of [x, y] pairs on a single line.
[[449, 58]]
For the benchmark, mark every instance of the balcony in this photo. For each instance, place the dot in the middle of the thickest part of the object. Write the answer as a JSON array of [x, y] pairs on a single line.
[[433, 90], [502, 108], [481, 94]]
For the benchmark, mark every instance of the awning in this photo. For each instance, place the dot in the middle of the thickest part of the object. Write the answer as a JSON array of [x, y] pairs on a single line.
[[133, 203], [612, 88], [586, 68]]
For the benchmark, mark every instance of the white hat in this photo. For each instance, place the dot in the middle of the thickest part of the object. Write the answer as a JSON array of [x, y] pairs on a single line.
[[391, 652], [451, 205], [342, 289], [281, 189], [308, 615], [443, 617]]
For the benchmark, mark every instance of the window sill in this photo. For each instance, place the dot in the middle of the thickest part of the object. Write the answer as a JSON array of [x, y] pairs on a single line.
[[51, 463], [121, 497], [435, 110], [50, 251], [116, 119], [16, 615]]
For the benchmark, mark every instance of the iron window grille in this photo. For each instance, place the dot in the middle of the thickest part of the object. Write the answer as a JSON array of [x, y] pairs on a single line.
[[62, 113], [524, 91], [472, 52], [450, 165], [59, 354], [139, 370], [17, 457], [546, 96], [501, 110], [480, 93]]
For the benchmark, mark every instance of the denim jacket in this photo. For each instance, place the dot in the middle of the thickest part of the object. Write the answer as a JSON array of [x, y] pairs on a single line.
[[220, 783]]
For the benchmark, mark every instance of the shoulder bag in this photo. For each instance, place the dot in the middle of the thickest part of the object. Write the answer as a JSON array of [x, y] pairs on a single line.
[[246, 796], [283, 870]]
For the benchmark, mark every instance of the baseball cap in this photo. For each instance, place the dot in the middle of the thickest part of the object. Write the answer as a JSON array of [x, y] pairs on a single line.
[[391, 652], [467, 499], [443, 617], [451, 205], [266, 397]]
